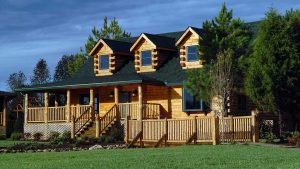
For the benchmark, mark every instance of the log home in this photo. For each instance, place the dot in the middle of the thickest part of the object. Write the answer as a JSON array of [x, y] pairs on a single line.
[[139, 77]]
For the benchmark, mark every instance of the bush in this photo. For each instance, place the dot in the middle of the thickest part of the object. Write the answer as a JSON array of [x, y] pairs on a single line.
[[53, 136], [270, 136], [65, 138], [294, 139], [2, 135], [37, 136], [16, 135], [106, 139], [117, 133], [27, 136]]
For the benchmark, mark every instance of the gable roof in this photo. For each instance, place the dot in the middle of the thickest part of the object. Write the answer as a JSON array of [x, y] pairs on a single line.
[[115, 45], [198, 32]]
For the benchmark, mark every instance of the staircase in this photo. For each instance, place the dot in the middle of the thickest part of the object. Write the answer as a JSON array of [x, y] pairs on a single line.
[[85, 125]]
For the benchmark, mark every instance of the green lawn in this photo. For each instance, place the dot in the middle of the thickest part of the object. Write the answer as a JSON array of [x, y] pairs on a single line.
[[5, 143], [203, 156]]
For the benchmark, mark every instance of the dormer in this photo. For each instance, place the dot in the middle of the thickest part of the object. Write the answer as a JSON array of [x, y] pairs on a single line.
[[188, 44], [151, 51], [110, 56]]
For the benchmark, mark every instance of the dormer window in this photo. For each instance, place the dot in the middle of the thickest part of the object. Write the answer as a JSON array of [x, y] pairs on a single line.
[[104, 62], [146, 58], [192, 53]]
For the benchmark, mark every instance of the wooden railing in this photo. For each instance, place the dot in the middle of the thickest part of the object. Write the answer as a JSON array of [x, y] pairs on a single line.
[[78, 110], [82, 120], [56, 114], [36, 114], [1, 119], [236, 128], [108, 118], [198, 129], [150, 110]]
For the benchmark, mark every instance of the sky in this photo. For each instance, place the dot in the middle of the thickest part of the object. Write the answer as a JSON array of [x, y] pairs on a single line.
[[34, 29]]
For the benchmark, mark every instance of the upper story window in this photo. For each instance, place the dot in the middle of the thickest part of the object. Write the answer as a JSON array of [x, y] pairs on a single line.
[[191, 103], [104, 62], [192, 53], [146, 58]]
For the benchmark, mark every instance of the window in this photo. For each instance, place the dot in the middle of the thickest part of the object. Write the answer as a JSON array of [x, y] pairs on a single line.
[[146, 58], [192, 53], [190, 103], [84, 99], [104, 62]]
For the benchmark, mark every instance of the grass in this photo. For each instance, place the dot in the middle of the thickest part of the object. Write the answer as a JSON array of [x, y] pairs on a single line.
[[6, 143], [203, 156]]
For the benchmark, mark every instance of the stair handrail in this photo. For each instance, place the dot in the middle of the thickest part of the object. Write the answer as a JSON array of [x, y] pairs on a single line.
[[82, 120], [110, 116]]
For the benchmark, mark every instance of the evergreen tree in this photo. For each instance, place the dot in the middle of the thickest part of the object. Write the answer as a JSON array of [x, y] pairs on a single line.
[[62, 68], [111, 31], [16, 80], [77, 63], [273, 77], [41, 73]]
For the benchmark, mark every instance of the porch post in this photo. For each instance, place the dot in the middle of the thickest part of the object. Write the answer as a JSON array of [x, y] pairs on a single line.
[[26, 109], [140, 93], [92, 103], [254, 126], [46, 106], [4, 111], [68, 106], [116, 94]]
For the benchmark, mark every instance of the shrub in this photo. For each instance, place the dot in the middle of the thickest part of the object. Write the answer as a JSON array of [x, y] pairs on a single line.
[[37, 136], [27, 136], [2, 135], [106, 139], [65, 138], [270, 136], [53, 136], [294, 139], [16, 135], [117, 133]]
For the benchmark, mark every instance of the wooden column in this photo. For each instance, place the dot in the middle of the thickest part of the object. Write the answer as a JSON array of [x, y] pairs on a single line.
[[215, 128], [116, 94], [73, 127], [26, 109], [68, 106], [254, 126], [92, 96], [97, 125], [140, 94], [46, 106], [4, 111]]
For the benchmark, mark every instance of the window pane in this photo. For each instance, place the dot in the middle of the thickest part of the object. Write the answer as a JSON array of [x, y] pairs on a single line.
[[192, 53], [104, 62], [84, 99], [146, 58], [190, 102]]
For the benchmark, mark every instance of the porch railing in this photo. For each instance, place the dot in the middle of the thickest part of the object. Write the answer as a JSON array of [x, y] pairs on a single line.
[[150, 110], [1, 119], [78, 110], [56, 114], [36, 114], [82, 120]]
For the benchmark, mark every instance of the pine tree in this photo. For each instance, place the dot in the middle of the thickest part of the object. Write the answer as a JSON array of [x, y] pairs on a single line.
[[41, 73], [76, 64], [62, 68], [111, 31]]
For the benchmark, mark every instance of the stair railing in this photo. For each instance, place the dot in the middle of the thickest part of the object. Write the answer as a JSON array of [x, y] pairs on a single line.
[[82, 120], [111, 115]]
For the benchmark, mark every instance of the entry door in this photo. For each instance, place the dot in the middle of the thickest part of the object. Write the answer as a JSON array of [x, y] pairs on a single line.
[[124, 97]]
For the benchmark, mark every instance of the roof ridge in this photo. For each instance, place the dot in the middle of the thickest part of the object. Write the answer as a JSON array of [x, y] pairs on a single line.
[[119, 40], [159, 35]]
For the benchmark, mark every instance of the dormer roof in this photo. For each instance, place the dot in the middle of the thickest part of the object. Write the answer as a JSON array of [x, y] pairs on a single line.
[[116, 46], [196, 31], [158, 41]]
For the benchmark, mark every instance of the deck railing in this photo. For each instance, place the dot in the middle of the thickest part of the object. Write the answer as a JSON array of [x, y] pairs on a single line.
[[82, 120], [78, 110], [150, 110], [56, 114], [108, 118], [36, 114], [1, 119]]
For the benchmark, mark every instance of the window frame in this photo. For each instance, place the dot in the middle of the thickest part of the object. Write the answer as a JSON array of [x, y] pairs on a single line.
[[187, 53], [184, 109], [150, 57], [100, 68]]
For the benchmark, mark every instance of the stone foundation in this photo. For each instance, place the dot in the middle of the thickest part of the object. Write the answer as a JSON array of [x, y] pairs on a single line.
[[46, 128]]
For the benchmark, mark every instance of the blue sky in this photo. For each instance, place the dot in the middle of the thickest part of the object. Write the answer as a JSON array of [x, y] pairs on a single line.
[[34, 29]]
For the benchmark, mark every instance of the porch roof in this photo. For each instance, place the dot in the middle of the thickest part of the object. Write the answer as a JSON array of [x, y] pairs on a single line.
[[170, 74]]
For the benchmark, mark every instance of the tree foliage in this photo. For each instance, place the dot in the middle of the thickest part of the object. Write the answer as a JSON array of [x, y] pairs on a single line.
[[62, 68], [16, 80], [273, 77], [41, 73], [111, 31], [77, 63]]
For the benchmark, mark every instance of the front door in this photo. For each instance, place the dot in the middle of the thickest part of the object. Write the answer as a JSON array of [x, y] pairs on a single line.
[[124, 97]]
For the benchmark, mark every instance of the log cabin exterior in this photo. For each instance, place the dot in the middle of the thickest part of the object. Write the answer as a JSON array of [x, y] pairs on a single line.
[[141, 78], [4, 98]]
